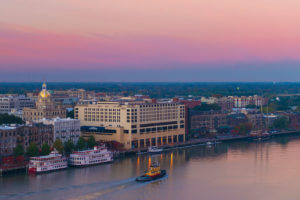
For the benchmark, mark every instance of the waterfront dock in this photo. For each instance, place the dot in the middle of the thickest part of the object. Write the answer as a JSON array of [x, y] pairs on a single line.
[[10, 169], [203, 141]]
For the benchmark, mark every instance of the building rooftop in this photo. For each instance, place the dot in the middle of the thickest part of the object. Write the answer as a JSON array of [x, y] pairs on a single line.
[[7, 127]]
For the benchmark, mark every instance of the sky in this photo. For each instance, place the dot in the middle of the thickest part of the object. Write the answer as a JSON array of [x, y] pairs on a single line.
[[157, 40]]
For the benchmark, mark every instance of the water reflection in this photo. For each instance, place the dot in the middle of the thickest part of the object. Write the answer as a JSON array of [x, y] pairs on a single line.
[[236, 170]]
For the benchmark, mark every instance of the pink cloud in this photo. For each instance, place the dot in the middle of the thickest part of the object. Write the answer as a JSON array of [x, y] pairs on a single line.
[[22, 47]]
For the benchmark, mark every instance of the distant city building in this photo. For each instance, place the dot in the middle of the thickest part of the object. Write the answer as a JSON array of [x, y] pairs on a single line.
[[209, 100], [64, 129], [227, 103], [189, 104], [8, 140], [135, 124], [294, 119], [13, 102], [79, 94], [206, 122], [45, 108], [256, 118], [11, 136], [243, 101]]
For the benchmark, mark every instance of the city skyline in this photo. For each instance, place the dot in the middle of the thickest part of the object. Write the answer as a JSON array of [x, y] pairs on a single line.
[[129, 41]]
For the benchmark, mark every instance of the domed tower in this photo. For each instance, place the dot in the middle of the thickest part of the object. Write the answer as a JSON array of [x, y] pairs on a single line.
[[45, 108], [44, 99]]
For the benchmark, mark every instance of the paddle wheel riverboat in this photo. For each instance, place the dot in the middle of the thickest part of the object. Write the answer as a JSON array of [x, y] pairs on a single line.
[[97, 155], [51, 162]]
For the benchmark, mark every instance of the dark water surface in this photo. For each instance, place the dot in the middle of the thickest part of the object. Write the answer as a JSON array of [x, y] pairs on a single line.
[[239, 170]]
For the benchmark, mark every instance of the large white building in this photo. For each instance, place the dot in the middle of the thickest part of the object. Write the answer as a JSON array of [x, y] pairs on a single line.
[[64, 129], [9, 103], [135, 124]]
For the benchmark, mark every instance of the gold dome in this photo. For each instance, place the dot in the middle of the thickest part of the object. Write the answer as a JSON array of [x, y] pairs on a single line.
[[44, 93]]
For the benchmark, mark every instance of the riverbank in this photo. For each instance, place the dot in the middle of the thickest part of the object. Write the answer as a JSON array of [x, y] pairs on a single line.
[[4, 170], [203, 141]]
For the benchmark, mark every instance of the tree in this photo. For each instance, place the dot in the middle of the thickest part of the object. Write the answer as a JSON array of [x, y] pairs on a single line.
[[58, 146], [69, 147], [70, 114], [281, 122], [32, 150], [81, 144], [19, 151], [243, 128], [45, 149], [251, 106], [207, 107], [10, 119], [91, 142]]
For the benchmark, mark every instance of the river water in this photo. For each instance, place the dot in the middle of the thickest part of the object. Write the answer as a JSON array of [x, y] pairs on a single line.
[[237, 170]]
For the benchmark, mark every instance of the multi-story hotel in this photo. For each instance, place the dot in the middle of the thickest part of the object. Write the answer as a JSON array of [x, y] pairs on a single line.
[[45, 108], [134, 124]]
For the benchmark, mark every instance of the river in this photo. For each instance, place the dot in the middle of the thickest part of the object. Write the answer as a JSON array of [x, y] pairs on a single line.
[[236, 170]]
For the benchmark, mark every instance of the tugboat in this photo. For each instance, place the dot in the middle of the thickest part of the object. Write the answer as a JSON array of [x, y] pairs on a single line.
[[153, 173]]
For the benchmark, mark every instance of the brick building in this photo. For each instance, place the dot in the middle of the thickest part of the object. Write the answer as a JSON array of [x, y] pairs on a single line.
[[11, 136], [206, 122]]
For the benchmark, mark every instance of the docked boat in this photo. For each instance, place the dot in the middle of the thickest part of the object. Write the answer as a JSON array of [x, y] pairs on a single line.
[[94, 156], [154, 149], [153, 173], [209, 143], [265, 135], [51, 162], [259, 136]]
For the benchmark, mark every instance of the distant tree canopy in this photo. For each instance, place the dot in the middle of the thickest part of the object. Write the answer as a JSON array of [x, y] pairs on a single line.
[[81, 143], [243, 128], [284, 103], [69, 147], [19, 151], [162, 90], [91, 142], [70, 114], [10, 119], [281, 123], [45, 149], [58, 145], [32, 150], [207, 107], [251, 106]]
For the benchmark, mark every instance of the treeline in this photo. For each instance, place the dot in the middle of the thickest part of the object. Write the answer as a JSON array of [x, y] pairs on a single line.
[[66, 149], [207, 107], [162, 90], [10, 119]]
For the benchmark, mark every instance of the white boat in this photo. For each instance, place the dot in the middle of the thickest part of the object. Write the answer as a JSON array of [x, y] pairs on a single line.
[[154, 149], [51, 162], [90, 157]]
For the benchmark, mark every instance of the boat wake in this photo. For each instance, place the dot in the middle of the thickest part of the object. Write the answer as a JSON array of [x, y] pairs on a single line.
[[91, 191], [116, 190]]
